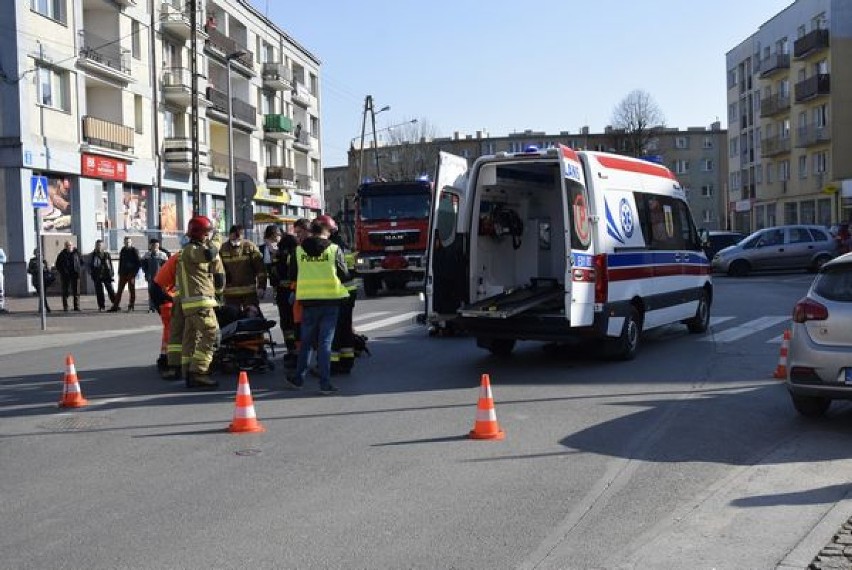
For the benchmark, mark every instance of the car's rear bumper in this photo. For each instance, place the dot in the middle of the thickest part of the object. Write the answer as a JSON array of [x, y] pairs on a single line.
[[817, 370]]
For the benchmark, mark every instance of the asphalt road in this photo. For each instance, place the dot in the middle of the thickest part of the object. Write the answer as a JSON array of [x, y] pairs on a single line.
[[691, 456]]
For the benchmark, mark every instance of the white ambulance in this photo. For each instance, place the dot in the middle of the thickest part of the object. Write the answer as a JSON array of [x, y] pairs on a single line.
[[558, 245]]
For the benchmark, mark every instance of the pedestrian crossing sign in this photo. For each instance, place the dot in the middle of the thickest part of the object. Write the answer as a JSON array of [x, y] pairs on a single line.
[[38, 189]]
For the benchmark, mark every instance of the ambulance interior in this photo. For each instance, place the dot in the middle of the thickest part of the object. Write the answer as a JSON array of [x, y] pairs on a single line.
[[518, 230]]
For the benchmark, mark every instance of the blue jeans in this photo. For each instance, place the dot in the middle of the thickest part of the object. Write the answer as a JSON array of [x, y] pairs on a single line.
[[318, 324]]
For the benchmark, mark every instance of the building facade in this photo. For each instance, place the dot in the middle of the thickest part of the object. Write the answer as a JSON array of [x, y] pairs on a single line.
[[789, 100], [96, 96], [697, 155]]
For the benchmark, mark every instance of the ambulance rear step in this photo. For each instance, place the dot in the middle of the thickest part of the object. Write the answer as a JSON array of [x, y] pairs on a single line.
[[516, 301]]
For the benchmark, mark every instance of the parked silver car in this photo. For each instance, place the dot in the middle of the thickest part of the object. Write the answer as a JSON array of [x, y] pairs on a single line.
[[819, 358], [780, 247]]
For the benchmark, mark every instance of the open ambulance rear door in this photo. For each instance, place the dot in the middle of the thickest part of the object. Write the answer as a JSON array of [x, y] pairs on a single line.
[[580, 270], [447, 283]]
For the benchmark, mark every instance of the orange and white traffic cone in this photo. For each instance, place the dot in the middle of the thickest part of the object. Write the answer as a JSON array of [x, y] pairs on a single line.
[[72, 397], [781, 369], [245, 419], [486, 426]]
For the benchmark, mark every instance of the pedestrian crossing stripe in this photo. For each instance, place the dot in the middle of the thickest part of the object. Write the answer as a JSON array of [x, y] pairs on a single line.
[[741, 331]]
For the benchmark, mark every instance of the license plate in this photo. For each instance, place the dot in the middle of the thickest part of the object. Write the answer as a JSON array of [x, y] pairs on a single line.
[[848, 375]]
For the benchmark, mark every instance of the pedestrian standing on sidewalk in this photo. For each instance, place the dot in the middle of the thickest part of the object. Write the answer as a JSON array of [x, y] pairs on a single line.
[[319, 273], [101, 270], [129, 264], [152, 261], [32, 269], [2, 283], [69, 264]]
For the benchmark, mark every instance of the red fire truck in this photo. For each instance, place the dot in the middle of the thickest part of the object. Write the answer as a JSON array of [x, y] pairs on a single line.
[[391, 227]]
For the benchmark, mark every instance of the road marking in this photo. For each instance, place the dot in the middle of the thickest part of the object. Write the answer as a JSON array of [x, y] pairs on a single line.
[[719, 320], [745, 329], [387, 322], [366, 316]]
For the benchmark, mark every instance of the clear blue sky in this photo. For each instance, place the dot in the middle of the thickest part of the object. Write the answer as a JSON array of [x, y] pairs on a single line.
[[506, 66]]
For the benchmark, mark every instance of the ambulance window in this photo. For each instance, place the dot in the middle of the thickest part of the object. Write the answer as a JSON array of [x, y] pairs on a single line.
[[669, 224], [688, 232], [448, 212], [578, 211]]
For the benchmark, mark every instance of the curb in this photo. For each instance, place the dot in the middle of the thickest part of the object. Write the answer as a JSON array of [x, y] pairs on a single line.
[[804, 553]]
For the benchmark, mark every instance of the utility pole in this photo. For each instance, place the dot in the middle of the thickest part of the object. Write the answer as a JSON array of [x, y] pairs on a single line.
[[369, 108], [193, 69]]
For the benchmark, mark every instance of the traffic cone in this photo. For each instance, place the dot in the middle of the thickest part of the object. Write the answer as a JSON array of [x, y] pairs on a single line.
[[486, 426], [72, 397], [781, 369], [245, 419]]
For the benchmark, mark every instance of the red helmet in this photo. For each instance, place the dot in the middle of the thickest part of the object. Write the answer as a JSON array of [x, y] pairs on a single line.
[[198, 226], [326, 221]]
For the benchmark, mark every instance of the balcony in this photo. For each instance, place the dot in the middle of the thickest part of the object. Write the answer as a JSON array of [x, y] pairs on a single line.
[[177, 154], [278, 127], [174, 22], [280, 177], [303, 184], [774, 104], [811, 43], [221, 45], [813, 87], [104, 57], [277, 76], [220, 166], [812, 135], [774, 146], [105, 134], [245, 115], [302, 141], [177, 86], [773, 64], [301, 95]]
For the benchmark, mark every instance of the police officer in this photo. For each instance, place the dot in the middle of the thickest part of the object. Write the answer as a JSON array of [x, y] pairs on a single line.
[[200, 279], [319, 272], [245, 274]]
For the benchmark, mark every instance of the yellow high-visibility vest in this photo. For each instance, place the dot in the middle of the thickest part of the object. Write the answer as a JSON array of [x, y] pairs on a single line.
[[317, 278]]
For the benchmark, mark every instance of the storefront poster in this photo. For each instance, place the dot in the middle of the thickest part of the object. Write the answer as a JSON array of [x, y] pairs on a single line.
[[168, 212], [217, 214], [56, 218], [135, 209]]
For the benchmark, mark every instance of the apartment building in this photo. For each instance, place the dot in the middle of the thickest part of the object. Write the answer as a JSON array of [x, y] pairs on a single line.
[[96, 96], [698, 156], [789, 96]]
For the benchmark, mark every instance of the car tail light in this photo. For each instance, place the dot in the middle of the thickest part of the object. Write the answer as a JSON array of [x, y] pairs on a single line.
[[809, 310], [601, 278]]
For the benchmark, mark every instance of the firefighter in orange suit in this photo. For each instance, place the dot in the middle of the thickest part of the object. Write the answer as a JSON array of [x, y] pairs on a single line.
[[200, 281], [245, 273], [170, 348]]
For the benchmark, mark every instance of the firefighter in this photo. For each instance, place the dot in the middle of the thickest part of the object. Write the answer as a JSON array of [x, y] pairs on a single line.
[[245, 274], [343, 346], [172, 318], [200, 280], [289, 310]]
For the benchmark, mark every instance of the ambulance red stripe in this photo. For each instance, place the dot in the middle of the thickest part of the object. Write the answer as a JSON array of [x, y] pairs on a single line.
[[641, 167]]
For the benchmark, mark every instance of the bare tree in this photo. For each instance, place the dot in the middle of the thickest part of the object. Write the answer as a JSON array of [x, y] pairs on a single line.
[[407, 151], [636, 119]]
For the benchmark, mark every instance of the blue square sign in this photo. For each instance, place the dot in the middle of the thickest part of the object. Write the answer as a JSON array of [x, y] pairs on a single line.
[[39, 192]]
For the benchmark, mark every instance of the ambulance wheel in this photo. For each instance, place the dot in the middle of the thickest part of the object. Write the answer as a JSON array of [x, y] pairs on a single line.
[[371, 286], [701, 321], [624, 347]]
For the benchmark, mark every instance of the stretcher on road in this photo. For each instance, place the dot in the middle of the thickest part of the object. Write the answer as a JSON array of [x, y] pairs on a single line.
[[516, 301]]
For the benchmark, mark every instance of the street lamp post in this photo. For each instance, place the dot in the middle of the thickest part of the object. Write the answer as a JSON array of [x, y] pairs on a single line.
[[232, 191]]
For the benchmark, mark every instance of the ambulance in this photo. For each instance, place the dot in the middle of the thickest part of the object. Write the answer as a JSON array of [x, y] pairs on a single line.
[[559, 245]]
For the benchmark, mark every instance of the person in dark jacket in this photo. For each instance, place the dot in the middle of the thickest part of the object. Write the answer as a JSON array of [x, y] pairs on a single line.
[[129, 264], [32, 269], [69, 264], [102, 273], [319, 273]]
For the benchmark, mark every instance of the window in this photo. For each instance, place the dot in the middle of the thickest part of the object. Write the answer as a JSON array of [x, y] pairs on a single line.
[[707, 165], [708, 142], [808, 211], [784, 129], [315, 127], [784, 170], [135, 40], [682, 142], [665, 222], [707, 216], [820, 115], [821, 67], [53, 88], [269, 154], [707, 190], [791, 213], [769, 170], [138, 113], [819, 22], [53, 9], [820, 163], [801, 235], [732, 112], [202, 130], [267, 103], [803, 166], [315, 169], [758, 174], [488, 148], [734, 147], [800, 32], [169, 124], [681, 166]]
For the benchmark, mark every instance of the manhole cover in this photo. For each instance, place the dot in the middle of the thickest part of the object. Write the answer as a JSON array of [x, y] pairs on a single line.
[[75, 423], [248, 452]]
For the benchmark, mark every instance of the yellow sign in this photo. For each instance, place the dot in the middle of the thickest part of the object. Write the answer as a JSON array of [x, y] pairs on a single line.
[[830, 188], [276, 196]]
